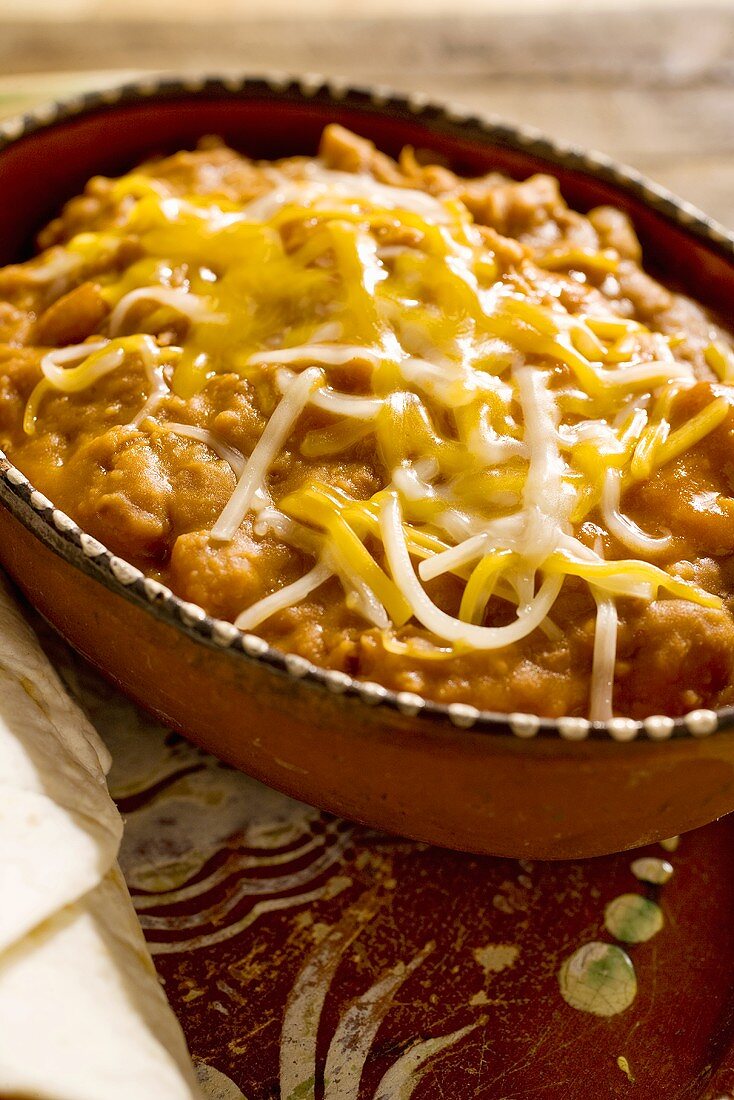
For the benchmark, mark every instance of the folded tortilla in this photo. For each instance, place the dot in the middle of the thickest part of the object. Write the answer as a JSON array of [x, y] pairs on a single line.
[[82, 1015]]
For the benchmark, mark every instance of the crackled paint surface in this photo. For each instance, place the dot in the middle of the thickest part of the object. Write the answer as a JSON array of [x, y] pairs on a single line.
[[496, 957], [632, 918], [215, 1085], [598, 978], [652, 870], [626, 1068]]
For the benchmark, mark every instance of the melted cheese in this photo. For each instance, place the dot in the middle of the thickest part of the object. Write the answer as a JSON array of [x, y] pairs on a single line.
[[621, 526], [179, 301], [502, 419], [283, 598], [228, 454], [605, 651], [267, 447]]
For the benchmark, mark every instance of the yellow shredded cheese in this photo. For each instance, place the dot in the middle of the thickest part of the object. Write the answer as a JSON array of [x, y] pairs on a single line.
[[501, 419]]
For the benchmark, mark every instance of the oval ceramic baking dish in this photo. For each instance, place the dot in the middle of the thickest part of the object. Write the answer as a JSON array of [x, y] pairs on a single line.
[[513, 785]]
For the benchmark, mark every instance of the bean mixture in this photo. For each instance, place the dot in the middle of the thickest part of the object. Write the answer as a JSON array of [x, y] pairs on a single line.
[[145, 445]]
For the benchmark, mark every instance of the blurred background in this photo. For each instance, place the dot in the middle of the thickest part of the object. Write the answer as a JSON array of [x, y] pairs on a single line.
[[650, 82]]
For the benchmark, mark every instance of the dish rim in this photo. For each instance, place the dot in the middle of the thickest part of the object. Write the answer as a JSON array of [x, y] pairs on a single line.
[[64, 537]]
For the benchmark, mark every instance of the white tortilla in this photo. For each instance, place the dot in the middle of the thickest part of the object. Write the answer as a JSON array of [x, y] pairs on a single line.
[[82, 1015], [59, 830], [22, 656]]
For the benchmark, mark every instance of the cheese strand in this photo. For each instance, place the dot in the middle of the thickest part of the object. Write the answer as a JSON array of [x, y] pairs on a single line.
[[437, 621], [284, 598], [267, 447]]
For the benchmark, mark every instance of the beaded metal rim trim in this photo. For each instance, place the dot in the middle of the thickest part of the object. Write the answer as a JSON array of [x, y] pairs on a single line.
[[61, 534]]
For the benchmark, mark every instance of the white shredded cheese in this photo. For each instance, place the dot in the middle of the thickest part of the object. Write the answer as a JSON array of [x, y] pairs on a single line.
[[621, 526], [545, 503], [284, 598], [267, 447], [448, 560], [55, 364], [446, 626], [202, 435], [324, 355], [605, 650], [192, 306], [325, 185], [331, 401]]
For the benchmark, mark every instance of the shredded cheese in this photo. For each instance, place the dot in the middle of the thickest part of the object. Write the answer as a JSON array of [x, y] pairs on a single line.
[[202, 435], [95, 360], [685, 437], [438, 622], [173, 298], [284, 598], [94, 365], [545, 504], [267, 447], [621, 526], [340, 404], [605, 650], [502, 420]]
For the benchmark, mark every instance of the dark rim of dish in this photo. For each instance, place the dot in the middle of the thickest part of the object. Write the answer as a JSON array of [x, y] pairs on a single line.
[[61, 534]]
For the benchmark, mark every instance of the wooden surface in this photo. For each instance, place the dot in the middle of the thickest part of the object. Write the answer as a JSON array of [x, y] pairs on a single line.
[[654, 86], [195, 10]]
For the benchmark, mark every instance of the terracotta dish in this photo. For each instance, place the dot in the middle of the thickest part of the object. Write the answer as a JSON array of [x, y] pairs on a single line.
[[448, 773]]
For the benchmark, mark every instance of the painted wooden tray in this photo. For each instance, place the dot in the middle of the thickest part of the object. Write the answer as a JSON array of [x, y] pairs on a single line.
[[308, 958]]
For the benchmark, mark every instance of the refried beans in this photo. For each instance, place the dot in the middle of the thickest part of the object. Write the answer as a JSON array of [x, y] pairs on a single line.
[[441, 434]]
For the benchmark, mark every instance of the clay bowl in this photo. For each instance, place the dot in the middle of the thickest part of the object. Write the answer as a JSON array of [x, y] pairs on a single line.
[[507, 785]]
